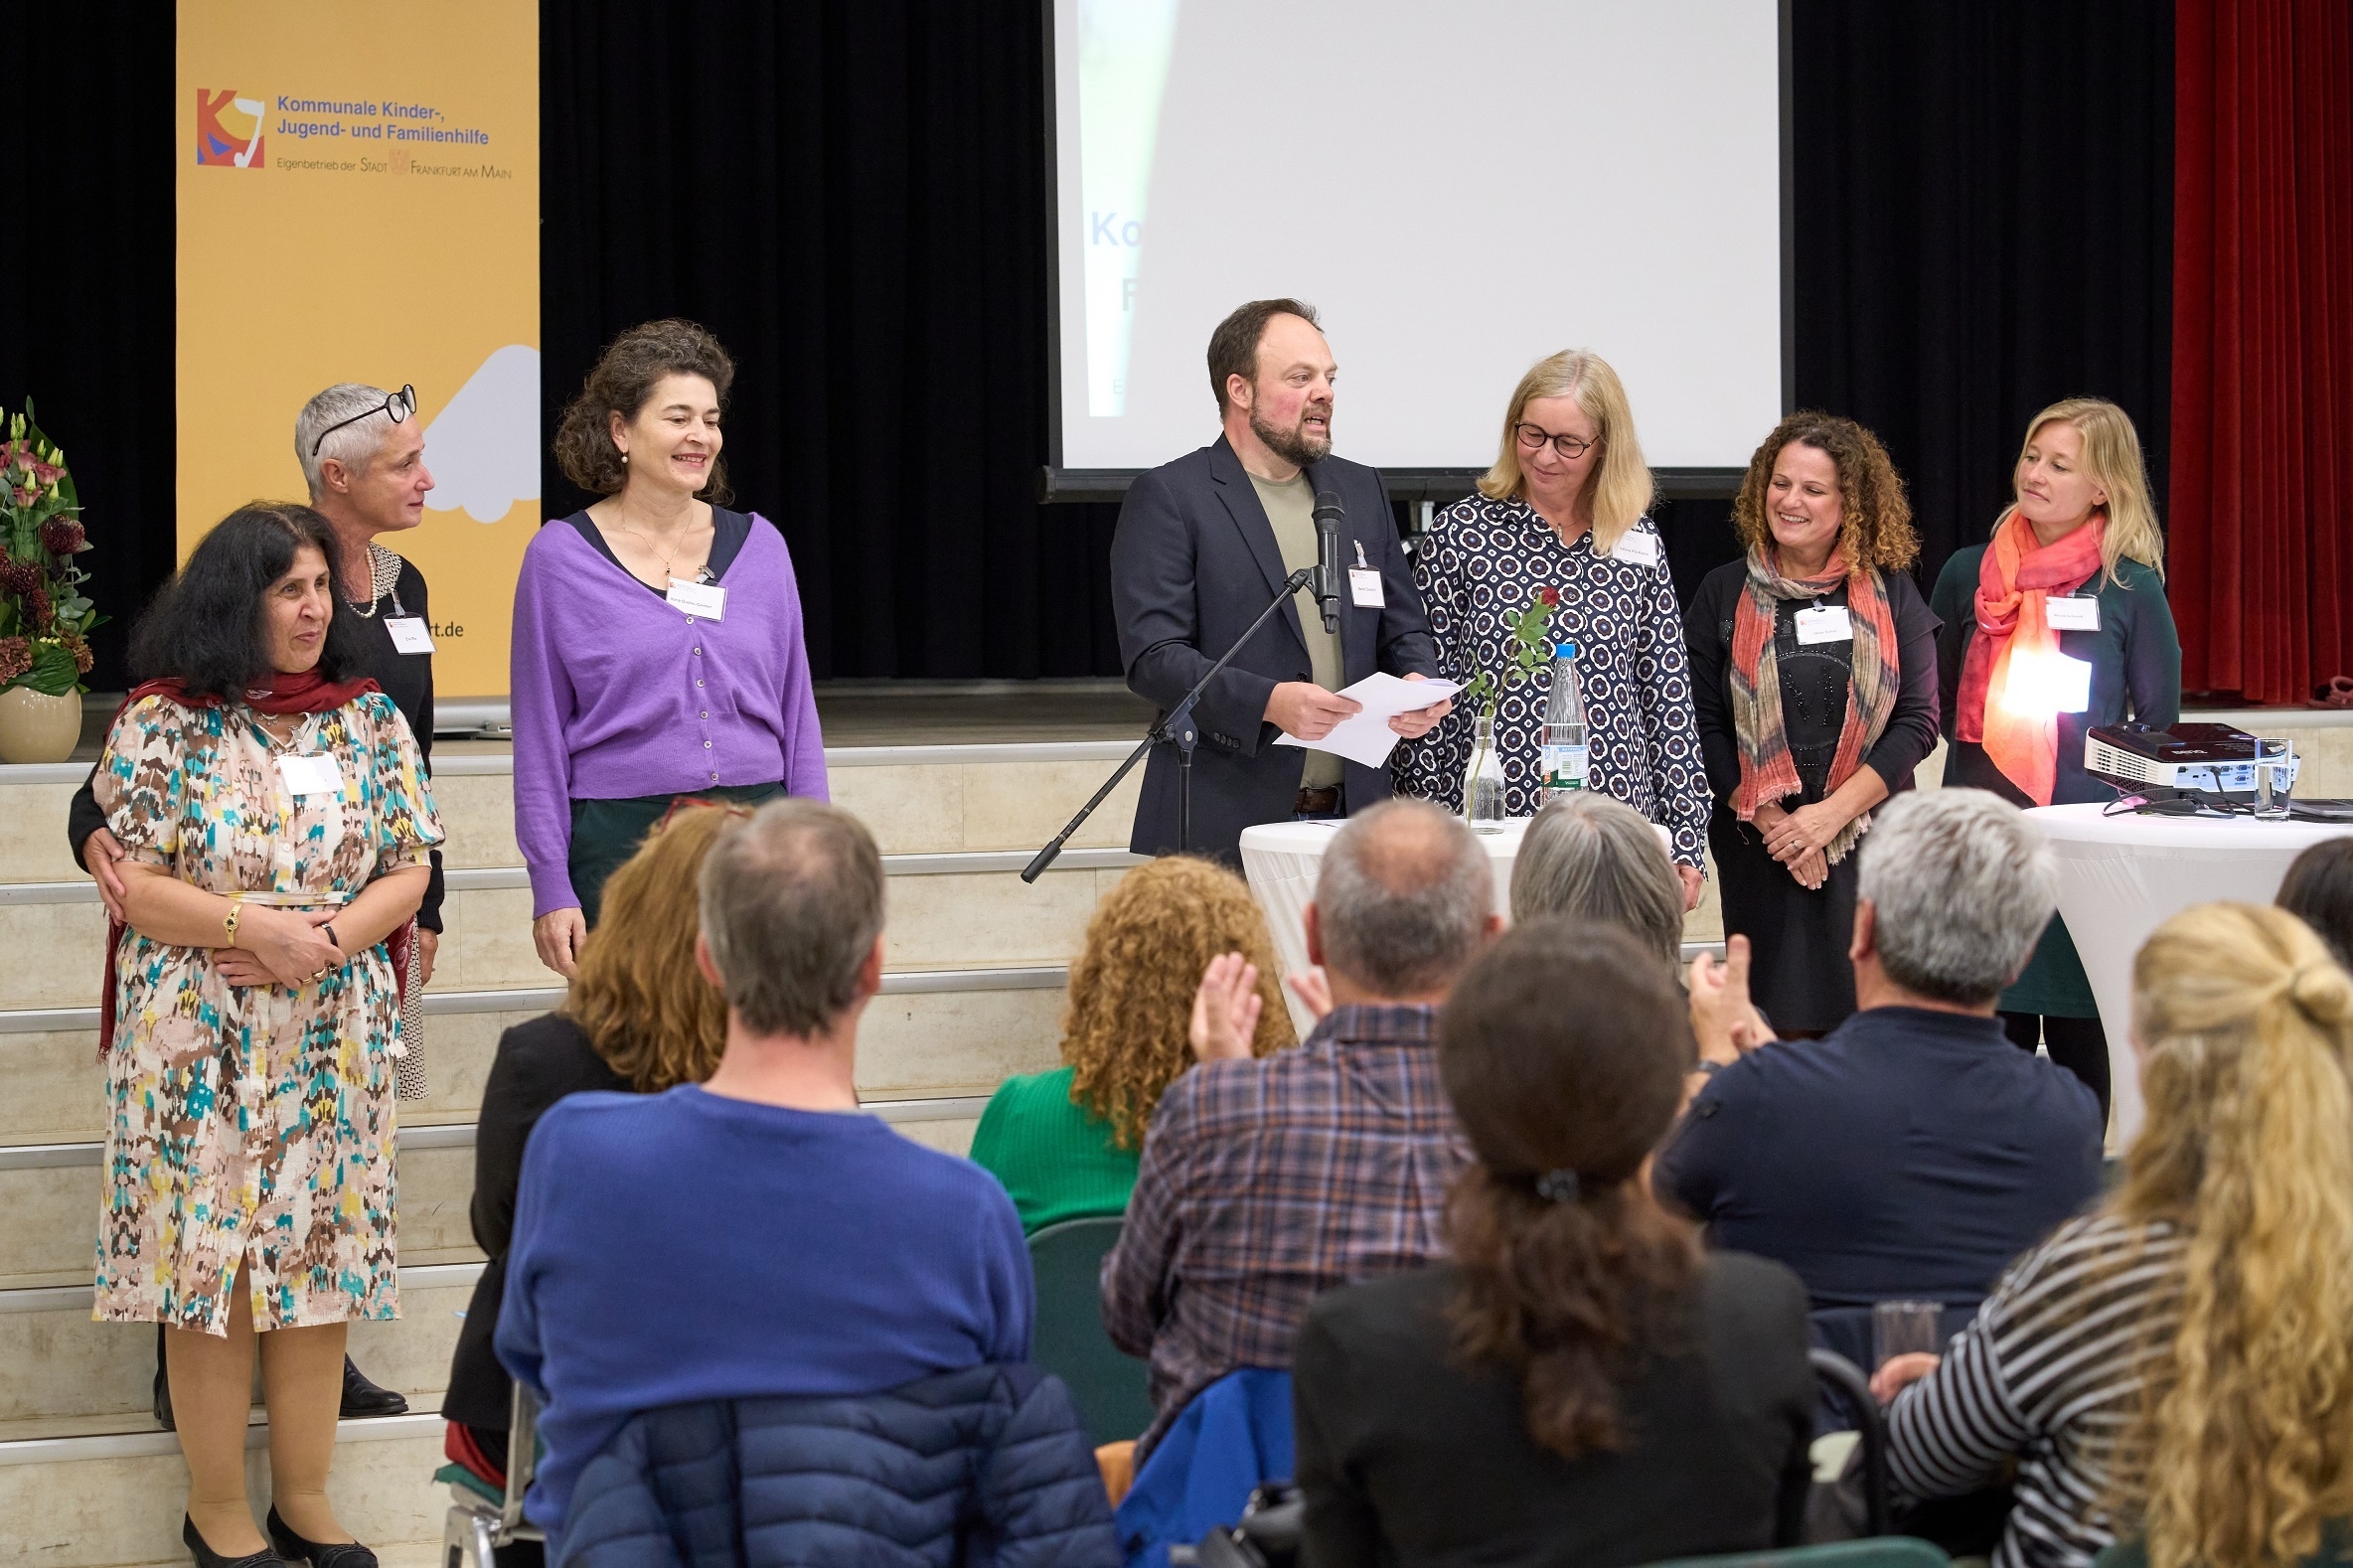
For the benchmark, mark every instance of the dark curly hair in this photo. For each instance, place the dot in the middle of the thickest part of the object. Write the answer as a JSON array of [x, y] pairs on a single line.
[[1874, 513], [623, 383], [207, 626], [1561, 1051]]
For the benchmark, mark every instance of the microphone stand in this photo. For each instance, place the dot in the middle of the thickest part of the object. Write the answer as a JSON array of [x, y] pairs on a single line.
[[1176, 727]]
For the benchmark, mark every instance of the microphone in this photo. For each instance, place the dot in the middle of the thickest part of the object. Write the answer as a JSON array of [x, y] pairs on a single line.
[[1328, 513]]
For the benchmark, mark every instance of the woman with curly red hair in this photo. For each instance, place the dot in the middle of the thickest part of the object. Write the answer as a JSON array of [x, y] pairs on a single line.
[[1065, 1143], [1814, 676]]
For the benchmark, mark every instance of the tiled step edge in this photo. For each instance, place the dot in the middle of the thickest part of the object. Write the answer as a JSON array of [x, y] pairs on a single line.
[[960, 862], [896, 983], [460, 1135], [155, 1445]]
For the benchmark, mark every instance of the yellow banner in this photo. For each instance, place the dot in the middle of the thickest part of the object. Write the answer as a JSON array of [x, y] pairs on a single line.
[[359, 200]]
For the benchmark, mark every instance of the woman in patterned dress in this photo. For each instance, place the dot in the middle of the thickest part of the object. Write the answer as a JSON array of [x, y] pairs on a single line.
[[276, 824], [1564, 508]]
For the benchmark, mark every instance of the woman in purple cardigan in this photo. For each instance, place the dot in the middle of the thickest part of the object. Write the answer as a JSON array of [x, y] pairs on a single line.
[[658, 650]]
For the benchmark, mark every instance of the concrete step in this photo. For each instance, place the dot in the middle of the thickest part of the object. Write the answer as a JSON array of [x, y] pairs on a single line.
[[931, 1032], [99, 1502], [956, 910], [914, 799]]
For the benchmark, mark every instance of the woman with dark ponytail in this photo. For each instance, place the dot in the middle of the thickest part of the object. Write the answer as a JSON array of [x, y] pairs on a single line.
[[1580, 1384]]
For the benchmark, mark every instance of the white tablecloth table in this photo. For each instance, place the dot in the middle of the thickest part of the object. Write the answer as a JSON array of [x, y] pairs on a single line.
[[1282, 860], [2122, 877]]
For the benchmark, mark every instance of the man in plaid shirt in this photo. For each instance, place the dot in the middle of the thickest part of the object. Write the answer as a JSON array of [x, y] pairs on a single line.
[[1265, 1183]]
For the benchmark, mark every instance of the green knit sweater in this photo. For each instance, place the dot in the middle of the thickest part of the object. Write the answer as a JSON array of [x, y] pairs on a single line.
[[1055, 1158]]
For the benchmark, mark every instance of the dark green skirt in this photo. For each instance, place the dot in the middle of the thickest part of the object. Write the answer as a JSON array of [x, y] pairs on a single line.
[[606, 833], [2054, 985]]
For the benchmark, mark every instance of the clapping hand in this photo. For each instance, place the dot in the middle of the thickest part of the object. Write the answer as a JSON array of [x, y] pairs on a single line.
[[1313, 990], [1724, 1021], [1225, 1010]]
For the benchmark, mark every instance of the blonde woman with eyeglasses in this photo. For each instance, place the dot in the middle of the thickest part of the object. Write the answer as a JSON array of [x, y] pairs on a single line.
[[1564, 509], [2177, 1368], [2055, 626]]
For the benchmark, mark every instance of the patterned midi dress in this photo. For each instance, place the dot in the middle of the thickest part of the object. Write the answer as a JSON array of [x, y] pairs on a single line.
[[1485, 559], [254, 1125]]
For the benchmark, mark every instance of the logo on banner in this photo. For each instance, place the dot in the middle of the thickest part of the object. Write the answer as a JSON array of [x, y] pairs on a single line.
[[227, 130]]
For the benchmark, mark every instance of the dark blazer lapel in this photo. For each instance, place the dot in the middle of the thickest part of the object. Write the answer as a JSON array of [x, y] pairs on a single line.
[[1241, 504]]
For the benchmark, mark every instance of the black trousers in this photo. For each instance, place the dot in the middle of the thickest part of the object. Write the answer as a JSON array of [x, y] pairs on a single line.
[[2078, 1045]]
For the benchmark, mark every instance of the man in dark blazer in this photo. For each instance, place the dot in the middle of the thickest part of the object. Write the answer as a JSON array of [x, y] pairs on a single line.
[[1203, 544]]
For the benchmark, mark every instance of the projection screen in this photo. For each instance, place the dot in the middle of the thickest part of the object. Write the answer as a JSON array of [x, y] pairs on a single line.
[[1460, 187]]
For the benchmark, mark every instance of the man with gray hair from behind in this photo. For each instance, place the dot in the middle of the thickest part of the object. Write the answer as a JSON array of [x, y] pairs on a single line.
[[1264, 1181], [1913, 1151], [754, 1235]]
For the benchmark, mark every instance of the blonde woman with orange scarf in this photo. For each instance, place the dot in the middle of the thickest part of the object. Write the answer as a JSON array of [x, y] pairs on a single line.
[[1813, 682], [2057, 625]]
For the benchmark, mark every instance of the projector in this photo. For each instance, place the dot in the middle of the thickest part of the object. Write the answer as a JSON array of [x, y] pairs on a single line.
[[2212, 759]]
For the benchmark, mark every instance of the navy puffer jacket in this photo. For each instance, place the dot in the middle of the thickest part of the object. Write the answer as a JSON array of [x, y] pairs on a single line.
[[987, 1466]]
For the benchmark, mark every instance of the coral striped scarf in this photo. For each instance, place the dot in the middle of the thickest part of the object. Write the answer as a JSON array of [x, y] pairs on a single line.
[[1767, 770], [2015, 581]]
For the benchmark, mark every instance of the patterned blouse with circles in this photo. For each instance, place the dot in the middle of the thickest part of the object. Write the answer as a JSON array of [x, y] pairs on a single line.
[[1484, 560]]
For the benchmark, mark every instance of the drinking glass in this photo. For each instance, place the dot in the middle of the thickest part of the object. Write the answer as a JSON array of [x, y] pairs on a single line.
[[1900, 1327], [2272, 785]]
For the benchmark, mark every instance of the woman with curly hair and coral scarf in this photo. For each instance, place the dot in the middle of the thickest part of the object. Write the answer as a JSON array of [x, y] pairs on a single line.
[[2177, 1366], [1065, 1143], [1814, 676], [2057, 625]]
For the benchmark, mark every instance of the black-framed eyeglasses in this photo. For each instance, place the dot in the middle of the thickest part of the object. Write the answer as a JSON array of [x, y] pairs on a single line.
[[400, 405], [1570, 447]]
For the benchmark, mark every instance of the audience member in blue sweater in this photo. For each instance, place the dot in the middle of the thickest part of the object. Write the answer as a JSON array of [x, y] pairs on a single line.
[[755, 1234], [1913, 1151]]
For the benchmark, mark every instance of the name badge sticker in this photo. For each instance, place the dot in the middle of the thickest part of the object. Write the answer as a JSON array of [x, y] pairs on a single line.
[[409, 634], [1638, 547], [312, 775], [2072, 613], [704, 599], [1364, 588], [1828, 623]]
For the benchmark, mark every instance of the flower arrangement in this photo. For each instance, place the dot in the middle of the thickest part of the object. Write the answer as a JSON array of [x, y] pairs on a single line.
[[45, 620], [1531, 646]]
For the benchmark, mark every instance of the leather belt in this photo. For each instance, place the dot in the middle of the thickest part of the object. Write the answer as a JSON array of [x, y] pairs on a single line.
[[1318, 802]]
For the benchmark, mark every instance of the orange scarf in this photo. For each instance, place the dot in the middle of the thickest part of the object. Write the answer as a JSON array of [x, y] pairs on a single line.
[[2015, 580]]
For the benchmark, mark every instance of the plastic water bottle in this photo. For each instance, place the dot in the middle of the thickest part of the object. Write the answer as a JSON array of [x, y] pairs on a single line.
[[1564, 726]]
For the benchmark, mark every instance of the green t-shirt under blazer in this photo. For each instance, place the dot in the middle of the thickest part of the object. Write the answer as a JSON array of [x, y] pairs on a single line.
[[1055, 1158]]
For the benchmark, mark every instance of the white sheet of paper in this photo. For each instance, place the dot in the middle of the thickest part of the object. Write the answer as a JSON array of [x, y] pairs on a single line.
[[410, 635], [313, 775], [707, 600], [2067, 612], [1365, 738]]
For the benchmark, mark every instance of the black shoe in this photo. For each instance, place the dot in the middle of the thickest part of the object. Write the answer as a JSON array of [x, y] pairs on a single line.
[[163, 1383], [294, 1549], [205, 1558], [363, 1398]]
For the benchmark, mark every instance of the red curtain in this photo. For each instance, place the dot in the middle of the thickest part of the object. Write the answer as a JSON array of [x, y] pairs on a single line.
[[2261, 511]]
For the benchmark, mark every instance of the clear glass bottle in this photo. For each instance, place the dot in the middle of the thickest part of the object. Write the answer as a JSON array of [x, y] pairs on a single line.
[[1482, 782], [1564, 761]]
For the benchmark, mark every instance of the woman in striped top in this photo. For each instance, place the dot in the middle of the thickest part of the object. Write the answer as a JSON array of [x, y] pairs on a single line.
[[2179, 1365]]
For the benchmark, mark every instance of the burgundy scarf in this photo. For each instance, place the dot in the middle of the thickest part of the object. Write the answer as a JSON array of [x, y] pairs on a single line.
[[305, 693]]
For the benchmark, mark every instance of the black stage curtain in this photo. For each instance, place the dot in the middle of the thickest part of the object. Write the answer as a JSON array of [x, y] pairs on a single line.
[[852, 195], [1983, 221], [86, 289]]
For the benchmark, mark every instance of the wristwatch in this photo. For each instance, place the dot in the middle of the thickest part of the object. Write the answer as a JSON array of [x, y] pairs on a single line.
[[329, 928]]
